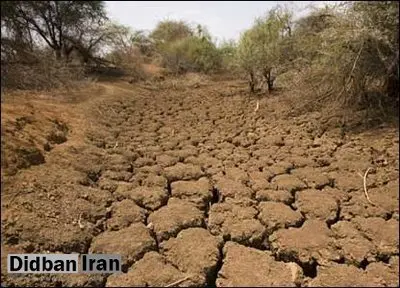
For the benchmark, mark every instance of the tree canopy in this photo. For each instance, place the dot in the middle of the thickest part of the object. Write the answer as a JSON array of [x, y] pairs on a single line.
[[56, 23]]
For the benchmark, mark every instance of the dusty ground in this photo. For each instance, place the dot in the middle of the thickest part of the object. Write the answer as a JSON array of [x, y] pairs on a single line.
[[189, 184]]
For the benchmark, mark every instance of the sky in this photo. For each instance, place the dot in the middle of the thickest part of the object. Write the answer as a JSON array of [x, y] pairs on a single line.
[[224, 19]]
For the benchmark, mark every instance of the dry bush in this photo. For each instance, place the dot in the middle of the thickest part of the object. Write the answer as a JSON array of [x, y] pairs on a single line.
[[195, 80], [134, 69], [130, 63], [30, 68], [45, 74], [344, 65], [157, 59]]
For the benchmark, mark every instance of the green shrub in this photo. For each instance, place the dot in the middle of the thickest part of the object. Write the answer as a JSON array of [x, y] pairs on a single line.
[[191, 54], [260, 48], [227, 51]]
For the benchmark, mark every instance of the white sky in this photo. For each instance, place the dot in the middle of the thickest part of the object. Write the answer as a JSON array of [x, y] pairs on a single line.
[[224, 19]]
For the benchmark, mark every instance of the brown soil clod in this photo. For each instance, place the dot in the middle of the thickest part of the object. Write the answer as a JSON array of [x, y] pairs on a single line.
[[275, 215], [187, 255], [120, 242], [176, 216], [240, 261]]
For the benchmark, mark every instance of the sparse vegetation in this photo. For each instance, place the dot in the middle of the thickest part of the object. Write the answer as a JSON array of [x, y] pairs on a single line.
[[191, 50], [260, 47], [60, 25], [342, 56], [227, 50], [35, 33], [351, 62], [128, 51]]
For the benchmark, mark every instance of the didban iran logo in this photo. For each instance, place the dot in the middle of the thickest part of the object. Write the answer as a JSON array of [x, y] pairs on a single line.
[[63, 263]]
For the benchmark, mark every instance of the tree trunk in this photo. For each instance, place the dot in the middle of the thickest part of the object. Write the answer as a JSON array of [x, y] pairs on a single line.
[[85, 57], [58, 54], [392, 81], [268, 78], [67, 52], [251, 81]]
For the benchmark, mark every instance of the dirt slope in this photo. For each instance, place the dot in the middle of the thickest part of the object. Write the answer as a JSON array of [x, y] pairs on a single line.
[[189, 184]]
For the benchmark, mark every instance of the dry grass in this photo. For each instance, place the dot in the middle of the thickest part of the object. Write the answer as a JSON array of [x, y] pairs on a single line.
[[342, 70], [43, 75]]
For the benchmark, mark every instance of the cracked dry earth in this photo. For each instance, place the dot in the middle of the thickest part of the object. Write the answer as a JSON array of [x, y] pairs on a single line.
[[192, 187]]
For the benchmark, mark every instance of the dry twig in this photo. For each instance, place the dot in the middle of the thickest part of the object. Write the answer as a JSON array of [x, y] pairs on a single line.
[[257, 106], [351, 72], [178, 282], [79, 221], [112, 110], [365, 187], [98, 110]]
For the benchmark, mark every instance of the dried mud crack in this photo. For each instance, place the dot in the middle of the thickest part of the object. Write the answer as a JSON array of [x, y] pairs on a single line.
[[194, 188]]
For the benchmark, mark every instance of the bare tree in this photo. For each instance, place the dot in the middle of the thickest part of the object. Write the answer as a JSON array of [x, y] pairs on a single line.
[[54, 22]]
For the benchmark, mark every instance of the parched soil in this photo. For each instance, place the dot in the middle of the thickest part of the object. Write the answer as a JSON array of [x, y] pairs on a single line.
[[194, 188]]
